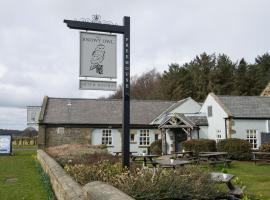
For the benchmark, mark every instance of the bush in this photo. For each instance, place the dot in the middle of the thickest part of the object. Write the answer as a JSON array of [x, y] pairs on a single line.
[[156, 147], [147, 184], [199, 145], [237, 149], [265, 147]]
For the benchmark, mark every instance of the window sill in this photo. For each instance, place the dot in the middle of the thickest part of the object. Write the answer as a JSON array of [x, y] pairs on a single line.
[[140, 146]]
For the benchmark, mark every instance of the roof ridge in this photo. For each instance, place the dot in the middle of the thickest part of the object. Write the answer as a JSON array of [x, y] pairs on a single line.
[[142, 100]]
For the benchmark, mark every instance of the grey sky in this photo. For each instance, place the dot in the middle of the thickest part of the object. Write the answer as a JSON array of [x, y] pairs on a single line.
[[39, 55]]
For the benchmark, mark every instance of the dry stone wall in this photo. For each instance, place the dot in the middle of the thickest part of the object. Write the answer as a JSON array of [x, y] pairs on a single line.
[[65, 188]]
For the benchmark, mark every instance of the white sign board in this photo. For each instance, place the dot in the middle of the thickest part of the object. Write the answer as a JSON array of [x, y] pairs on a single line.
[[97, 55], [33, 114], [98, 85], [5, 144]]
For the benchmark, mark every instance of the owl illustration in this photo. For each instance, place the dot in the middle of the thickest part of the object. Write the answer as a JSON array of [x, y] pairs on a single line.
[[97, 58]]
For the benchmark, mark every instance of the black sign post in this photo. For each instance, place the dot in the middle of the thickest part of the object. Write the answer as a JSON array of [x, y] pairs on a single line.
[[125, 31]]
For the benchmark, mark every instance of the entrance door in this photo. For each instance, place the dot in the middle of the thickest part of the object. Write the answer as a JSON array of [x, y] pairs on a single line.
[[180, 137]]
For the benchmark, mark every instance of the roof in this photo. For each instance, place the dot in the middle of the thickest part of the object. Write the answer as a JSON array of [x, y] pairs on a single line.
[[247, 106], [100, 111], [199, 120]]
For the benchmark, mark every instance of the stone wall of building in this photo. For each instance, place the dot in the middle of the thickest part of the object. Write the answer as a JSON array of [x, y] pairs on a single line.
[[55, 137], [65, 188]]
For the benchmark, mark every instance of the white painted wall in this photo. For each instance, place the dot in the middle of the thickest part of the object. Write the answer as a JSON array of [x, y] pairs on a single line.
[[203, 132], [242, 125], [189, 106], [216, 123], [117, 141]]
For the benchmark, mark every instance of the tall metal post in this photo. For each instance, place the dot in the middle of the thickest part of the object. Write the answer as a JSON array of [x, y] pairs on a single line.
[[126, 94], [125, 30]]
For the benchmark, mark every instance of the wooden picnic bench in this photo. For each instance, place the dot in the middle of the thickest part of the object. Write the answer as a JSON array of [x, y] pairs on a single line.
[[261, 157], [236, 191], [213, 158]]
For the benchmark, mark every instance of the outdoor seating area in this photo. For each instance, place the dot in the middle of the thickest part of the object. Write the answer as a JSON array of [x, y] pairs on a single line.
[[262, 157]]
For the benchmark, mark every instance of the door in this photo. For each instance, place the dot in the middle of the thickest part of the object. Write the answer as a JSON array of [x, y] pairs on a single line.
[[180, 137]]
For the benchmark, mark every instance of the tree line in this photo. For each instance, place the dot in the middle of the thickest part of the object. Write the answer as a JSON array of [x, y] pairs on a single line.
[[204, 74]]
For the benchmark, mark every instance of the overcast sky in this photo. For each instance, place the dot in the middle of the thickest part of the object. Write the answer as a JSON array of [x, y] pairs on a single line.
[[39, 55]]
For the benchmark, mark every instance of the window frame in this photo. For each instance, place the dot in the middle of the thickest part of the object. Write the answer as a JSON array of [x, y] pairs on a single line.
[[209, 111], [144, 138], [252, 137], [107, 138]]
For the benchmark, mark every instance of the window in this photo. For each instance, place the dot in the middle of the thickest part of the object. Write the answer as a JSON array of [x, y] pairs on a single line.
[[209, 111], [252, 138], [144, 138], [60, 130], [132, 137], [156, 137], [106, 137]]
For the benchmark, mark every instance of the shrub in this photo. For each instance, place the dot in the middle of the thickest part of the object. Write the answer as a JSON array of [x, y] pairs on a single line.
[[199, 145], [156, 147], [265, 147], [237, 149], [147, 184]]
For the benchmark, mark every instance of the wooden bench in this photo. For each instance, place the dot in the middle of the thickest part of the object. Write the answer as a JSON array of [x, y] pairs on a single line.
[[260, 160]]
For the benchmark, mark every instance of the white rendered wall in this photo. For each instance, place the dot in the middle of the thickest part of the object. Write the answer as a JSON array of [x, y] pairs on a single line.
[[203, 132], [117, 140], [189, 106], [242, 125], [216, 123]]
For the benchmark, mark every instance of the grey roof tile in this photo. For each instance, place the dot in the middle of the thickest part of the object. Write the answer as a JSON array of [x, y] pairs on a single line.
[[247, 106], [100, 111]]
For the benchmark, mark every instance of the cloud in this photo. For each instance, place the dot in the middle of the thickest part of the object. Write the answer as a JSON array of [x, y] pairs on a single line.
[[39, 55]]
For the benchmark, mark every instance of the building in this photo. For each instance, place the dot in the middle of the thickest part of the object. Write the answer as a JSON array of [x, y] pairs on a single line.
[[33, 113], [96, 121], [244, 117], [99, 121], [266, 91]]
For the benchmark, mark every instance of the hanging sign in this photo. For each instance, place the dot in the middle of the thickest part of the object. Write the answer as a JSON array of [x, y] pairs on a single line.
[[98, 85], [97, 55], [33, 114], [5, 144]]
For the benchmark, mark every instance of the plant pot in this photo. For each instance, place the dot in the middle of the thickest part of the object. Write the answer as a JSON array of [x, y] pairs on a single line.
[[172, 160]]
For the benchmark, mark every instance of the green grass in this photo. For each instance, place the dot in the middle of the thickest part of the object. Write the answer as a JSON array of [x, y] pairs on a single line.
[[29, 184], [256, 178]]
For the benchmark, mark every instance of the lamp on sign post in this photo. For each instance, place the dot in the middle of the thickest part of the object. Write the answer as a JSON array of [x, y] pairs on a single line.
[[96, 25]]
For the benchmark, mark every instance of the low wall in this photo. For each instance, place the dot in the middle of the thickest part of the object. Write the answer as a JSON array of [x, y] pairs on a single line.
[[65, 188]]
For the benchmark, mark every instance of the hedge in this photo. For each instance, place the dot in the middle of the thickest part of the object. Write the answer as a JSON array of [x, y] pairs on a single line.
[[237, 149], [156, 147], [199, 145], [265, 147]]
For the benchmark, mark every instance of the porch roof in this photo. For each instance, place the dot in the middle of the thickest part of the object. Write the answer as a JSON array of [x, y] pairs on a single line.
[[179, 120]]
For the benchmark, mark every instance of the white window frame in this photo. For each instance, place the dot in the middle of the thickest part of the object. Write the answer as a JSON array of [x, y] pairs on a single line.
[[106, 137], [144, 137], [134, 139], [252, 138], [60, 130]]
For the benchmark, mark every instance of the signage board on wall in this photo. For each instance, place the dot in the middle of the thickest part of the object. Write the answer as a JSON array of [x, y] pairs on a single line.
[[5, 144], [33, 114], [97, 55], [98, 85]]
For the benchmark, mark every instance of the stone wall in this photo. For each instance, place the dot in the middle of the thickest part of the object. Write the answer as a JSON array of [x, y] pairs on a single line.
[[68, 136], [65, 188]]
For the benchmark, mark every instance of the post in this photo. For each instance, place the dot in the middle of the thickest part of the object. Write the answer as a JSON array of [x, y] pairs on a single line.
[[126, 94]]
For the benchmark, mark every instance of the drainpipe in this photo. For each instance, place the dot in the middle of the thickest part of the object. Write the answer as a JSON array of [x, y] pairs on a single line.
[[226, 136]]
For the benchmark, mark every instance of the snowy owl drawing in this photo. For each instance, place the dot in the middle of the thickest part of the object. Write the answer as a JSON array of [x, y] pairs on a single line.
[[97, 58]]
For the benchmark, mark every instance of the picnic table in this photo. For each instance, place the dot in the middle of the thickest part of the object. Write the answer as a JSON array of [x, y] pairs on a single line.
[[171, 164], [261, 156], [117, 153], [145, 158], [184, 154], [226, 178], [213, 158]]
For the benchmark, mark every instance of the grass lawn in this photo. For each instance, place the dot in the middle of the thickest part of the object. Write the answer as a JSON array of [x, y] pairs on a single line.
[[256, 178], [20, 179]]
